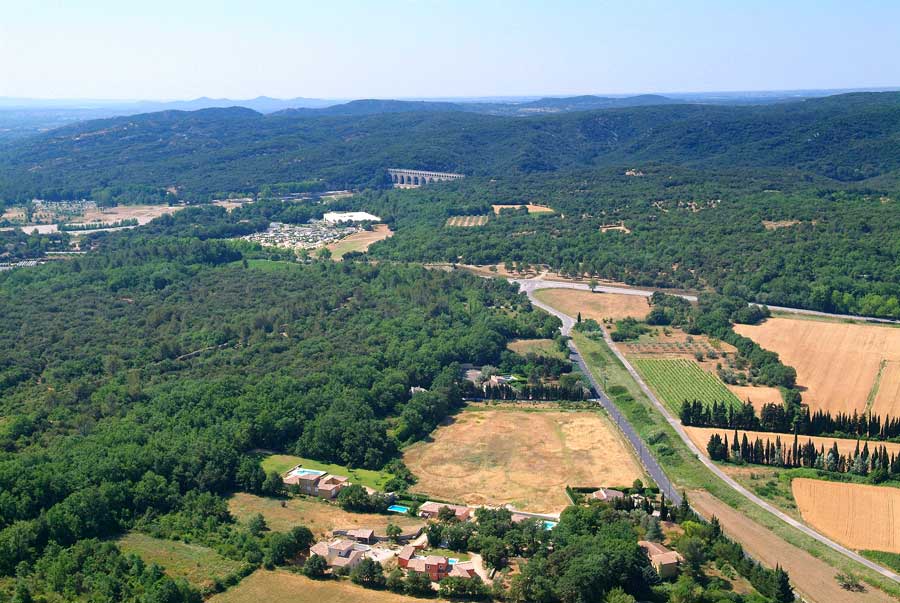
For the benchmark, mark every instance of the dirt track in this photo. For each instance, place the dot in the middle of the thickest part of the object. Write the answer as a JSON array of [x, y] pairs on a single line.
[[812, 577]]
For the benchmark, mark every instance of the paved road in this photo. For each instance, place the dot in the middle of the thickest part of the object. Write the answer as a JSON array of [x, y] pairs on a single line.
[[529, 286], [533, 284]]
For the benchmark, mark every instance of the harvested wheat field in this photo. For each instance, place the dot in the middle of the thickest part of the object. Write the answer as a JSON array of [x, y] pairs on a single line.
[[700, 436], [810, 576], [285, 587], [359, 241], [843, 366], [317, 515], [595, 305], [858, 516], [532, 209], [467, 221], [757, 395], [499, 455]]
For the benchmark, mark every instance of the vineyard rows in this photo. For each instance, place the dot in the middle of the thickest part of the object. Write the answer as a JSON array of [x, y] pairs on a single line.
[[677, 380]]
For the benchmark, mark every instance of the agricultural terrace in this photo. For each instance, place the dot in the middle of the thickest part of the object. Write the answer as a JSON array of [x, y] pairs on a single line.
[[199, 565], [843, 366], [318, 515], [532, 209], [467, 220], [287, 587], [597, 306], [858, 516], [498, 454], [539, 347], [700, 436], [366, 477], [678, 379], [359, 241]]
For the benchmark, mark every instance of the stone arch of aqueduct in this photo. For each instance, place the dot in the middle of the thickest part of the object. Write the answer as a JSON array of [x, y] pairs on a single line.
[[420, 177]]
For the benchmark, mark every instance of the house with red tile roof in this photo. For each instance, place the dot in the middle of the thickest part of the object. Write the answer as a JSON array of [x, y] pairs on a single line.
[[338, 553], [431, 510], [665, 561]]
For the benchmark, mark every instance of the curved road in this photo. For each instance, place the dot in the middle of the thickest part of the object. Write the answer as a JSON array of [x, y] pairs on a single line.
[[531, 284], [528, 286]]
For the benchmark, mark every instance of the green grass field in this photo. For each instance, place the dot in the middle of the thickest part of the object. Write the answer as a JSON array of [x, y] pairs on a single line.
[[677, 380], [365, 477], [197, 564], [889, 560]]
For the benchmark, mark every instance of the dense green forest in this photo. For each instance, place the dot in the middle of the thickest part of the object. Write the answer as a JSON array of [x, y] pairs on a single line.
[[136, 379], [834, 250], [846, 138]]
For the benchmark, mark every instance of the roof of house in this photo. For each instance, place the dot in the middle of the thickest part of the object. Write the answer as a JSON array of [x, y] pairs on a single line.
[[463, 569], [659, 554], [606, 494], [365, 533], [342, 545], [436, 560], [416, 564], [350, 559], [407, 552], [319, 548]]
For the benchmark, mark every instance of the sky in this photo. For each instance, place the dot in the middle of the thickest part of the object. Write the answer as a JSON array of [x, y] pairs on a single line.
[[163, 49]]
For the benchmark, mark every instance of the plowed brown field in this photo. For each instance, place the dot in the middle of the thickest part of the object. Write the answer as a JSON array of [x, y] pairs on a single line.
[[839, 364], [856, 515]]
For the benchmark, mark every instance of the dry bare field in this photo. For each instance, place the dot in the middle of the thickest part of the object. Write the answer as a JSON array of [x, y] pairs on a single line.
[[467, 220], [541, 347], [595, 305], [359, 241], [776, 224], [858, 516], [620, 227], [142, 213], [286, 587], [498, 455], [532, 209], [811, 576], [843, 366], [700, 436], [317, 515], [757, 395]]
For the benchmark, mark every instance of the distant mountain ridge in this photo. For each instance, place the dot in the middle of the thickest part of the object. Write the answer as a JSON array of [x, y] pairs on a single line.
[[847, 138]]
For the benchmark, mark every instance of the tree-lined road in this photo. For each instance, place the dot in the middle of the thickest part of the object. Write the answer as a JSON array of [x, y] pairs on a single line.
[[529, 286]]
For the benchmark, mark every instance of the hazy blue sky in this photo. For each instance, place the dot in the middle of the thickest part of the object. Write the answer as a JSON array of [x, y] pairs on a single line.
[[338, 49]]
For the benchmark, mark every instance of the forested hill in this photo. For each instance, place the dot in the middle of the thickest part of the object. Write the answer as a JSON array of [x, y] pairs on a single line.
[[847, 138]]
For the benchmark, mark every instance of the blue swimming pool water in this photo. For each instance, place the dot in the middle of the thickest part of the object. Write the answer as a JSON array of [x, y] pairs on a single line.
[[452, 560], [549, 525], [398, 509], [302, 471]]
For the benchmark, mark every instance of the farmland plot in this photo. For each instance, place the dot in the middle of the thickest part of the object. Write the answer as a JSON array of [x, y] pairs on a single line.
[[467, 221], [679, 379]]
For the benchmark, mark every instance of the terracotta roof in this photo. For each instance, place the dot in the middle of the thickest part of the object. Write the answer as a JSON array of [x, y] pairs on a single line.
[[436, 560], [365, 533], [350, 559], [407, 552], [342, 545], [659, 554], [416, 564], [464, 569], [319, 548]]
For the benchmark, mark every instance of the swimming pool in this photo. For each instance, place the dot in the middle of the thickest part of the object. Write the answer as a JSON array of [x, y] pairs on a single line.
[[303, 471], [549, 525], [452, 560], [398, 509]]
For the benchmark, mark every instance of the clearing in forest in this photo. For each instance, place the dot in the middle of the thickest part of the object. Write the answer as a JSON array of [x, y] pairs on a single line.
[[532, 209], [539, 347], [467, 220], [843, 366], [365, 477], [287, 587], [858, 516], [197, 564], [679, 379], [498, 454], [318, 515], [359, 241], [758, 395], [595, 305]]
